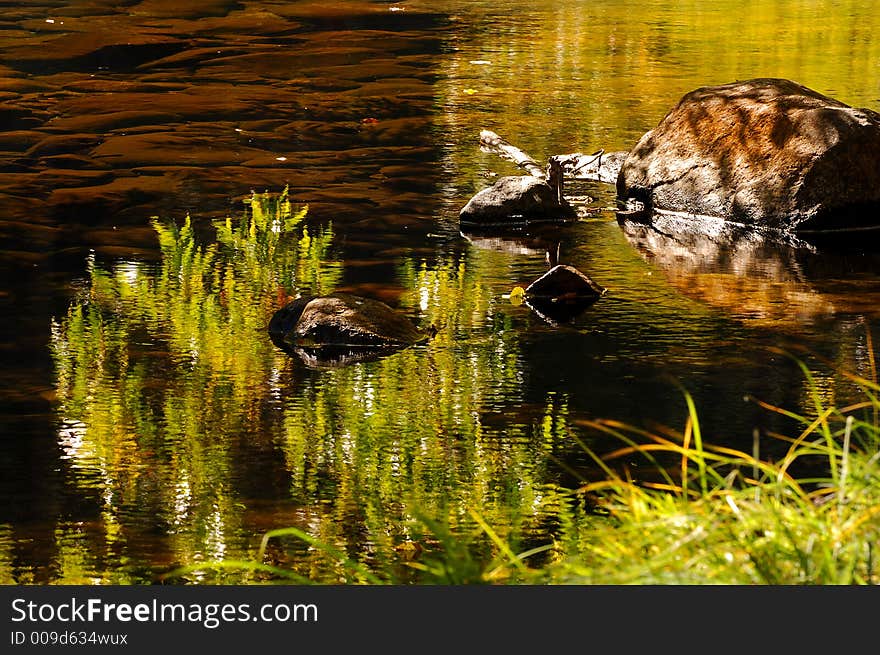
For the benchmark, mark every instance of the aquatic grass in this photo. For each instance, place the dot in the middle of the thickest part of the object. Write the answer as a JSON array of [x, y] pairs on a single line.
[[451, 559], [445, 558], [355, 571], [718, 515], [731, 517]]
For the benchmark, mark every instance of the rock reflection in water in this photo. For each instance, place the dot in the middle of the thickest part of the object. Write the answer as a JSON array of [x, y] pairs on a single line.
[[556, 312], [766, 278], [341, 329], [514, 241], [558, 296], [331, 357]]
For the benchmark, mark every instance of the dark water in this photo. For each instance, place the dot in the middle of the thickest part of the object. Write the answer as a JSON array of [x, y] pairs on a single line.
[[148, 421]]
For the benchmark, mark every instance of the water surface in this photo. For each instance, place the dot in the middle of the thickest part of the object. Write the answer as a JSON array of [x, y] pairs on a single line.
[[149, 422]]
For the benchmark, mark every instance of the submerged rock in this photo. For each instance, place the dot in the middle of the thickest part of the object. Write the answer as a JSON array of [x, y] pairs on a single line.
[[766, 152], [341, 328], [516, 199]]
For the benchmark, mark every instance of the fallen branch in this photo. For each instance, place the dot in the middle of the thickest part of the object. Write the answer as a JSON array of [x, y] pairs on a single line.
[[491, 142], [539, 194], [576, 162], [599, 166], [554, 175]]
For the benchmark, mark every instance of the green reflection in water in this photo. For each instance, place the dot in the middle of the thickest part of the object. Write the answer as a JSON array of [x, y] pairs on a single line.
[[179, 416], [161, 370], [431, 432], [6, 556]]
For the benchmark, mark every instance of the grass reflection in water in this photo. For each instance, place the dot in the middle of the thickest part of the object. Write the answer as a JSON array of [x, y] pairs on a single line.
[[186, 422]]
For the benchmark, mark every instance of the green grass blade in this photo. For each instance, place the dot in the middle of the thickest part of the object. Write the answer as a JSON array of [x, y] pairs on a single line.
[[338, 555]]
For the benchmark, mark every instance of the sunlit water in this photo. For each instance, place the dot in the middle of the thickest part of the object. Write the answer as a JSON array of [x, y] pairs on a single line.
[[150, 423]]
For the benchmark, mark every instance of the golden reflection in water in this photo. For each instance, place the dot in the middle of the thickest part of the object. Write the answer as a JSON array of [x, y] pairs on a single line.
[[557, 77], [633, 57], [768, 281], [163, 374]]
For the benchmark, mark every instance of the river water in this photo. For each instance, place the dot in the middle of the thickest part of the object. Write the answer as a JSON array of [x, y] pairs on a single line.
[[148, 422]]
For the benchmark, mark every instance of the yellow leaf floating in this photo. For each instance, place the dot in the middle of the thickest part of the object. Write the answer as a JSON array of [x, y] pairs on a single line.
[[516, 295], [470, 92]]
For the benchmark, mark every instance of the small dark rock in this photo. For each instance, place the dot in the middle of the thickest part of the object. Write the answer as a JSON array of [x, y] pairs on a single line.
[[562, 293], [516, 198], [562, 282]]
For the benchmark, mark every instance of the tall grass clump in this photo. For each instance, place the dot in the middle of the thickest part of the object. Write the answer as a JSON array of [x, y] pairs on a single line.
[[722, 516]]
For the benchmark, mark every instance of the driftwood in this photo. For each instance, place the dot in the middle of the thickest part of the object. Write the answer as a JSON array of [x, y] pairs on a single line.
[[554, 174], [539, 194], [558, 166], [599, 166], [492, 143]]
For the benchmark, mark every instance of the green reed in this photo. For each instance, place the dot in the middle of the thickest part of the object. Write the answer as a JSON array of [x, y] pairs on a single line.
[[723, 516]]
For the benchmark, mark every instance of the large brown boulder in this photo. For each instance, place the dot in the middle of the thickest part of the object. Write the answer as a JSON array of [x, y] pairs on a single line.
[[766, 152]]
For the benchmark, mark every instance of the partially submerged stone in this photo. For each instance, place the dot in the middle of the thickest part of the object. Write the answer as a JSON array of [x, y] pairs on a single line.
[[562, 293], [562, 282], [516, 199], [341, 328], [766, 152]]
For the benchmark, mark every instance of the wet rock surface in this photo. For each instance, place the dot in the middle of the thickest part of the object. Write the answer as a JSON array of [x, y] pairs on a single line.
[[562, 293], [341, 328], [515, 199], [765, 152]]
